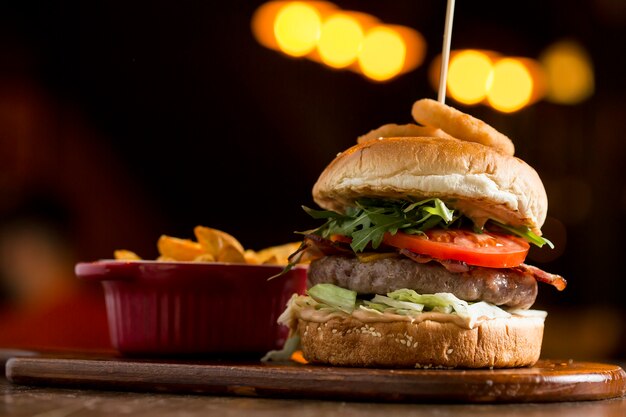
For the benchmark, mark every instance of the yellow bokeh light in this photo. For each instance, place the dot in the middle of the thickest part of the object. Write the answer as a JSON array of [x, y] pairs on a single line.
[[297, 28], [510, 86], [569, 73], [383, 54], [415, 46], [340, 40], [262, 24], [468, 74], [538, 76]]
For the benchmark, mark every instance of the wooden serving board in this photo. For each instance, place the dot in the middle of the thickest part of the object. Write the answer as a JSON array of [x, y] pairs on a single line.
[[548, 381]]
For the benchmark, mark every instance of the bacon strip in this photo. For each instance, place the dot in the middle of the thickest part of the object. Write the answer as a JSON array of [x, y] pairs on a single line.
[[540, 275], [314, 247], [420, 259], [450, 265]]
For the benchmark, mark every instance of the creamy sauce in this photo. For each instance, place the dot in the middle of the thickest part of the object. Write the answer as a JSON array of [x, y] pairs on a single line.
[[320, 316]]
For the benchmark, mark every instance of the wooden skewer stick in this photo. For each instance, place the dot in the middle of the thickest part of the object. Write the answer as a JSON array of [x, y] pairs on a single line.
[[445, 54]]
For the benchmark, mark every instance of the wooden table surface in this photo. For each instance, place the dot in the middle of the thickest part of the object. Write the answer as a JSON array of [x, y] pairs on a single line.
[[18, 400], [22, 400]]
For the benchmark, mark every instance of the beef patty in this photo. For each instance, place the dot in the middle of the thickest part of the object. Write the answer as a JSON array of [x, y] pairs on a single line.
[[506, 287]]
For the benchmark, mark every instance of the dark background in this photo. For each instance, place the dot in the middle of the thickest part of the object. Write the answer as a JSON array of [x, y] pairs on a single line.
[[122, 121]]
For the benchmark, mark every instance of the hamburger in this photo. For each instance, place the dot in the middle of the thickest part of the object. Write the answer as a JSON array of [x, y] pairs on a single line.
[[419, 260]]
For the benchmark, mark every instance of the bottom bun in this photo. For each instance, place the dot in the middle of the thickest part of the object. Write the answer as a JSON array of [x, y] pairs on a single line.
[[498, 343]]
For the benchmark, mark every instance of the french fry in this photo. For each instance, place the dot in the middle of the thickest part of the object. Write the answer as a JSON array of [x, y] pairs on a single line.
[[126, 255], [179, 249]]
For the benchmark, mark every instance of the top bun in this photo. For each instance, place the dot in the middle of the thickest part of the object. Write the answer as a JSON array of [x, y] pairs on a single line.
[[475, 179]]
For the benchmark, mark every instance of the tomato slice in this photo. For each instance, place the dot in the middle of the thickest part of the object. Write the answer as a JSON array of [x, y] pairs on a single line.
[[481, 249]]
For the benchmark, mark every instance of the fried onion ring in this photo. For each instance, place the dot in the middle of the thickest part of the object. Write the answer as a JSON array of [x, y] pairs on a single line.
[[460, 125], [394, 130]]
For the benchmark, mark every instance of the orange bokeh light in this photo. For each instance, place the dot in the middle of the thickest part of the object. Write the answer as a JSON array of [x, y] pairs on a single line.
[[337, 38]]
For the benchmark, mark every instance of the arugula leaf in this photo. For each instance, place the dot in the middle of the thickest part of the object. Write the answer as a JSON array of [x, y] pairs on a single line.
[[368, 221], [320, 214], [526, 233], [375, 234], [439, 209]]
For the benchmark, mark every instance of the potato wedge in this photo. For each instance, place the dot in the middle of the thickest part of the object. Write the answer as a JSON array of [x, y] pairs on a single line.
[[213, 241], [125, 255], [179, 249], [231, 253], [277, 254]]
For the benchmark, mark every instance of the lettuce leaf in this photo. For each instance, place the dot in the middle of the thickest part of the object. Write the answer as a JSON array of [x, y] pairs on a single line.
[[334, 296], [283, 355], [405, 305], [403, 301], [443, 301]]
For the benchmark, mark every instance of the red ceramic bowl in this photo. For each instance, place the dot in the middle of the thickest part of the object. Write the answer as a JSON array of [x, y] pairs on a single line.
[[174, 308]]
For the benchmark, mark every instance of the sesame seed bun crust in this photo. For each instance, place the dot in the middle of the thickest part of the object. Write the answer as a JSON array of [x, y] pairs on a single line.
[[497, 343], [476, 179]]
